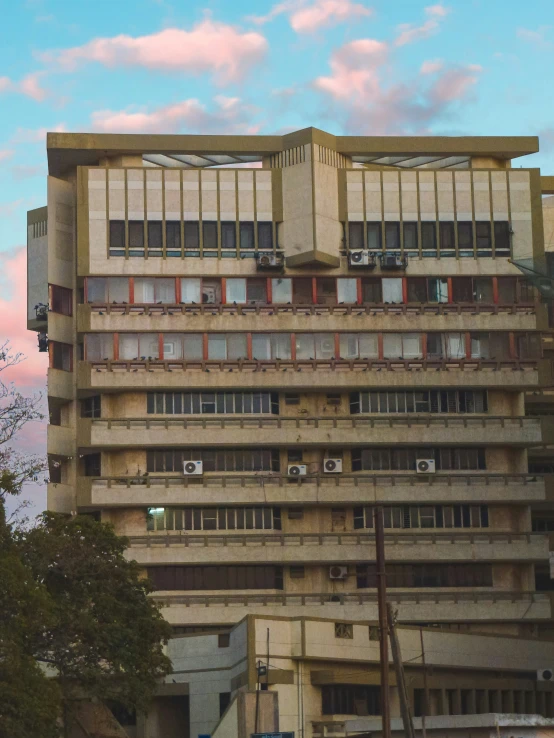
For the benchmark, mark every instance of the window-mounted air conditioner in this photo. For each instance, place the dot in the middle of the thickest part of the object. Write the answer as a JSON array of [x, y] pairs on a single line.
[[393, 261], [425, 466], [545, 675], [192, 467], [361, 259], [297, 470], [338, 572], [332, 466]]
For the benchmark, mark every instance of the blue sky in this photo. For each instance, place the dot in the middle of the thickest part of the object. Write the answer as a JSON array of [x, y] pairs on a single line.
[[472, 67]]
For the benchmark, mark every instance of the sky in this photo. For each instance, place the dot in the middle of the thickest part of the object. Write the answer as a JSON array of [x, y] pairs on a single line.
[[465, 67]]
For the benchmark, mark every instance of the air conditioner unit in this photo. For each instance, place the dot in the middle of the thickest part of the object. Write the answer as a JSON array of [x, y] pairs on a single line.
[[393, 261], [361, 259], [297, 470], [338, 572], [192, 467], [332, 466], [269, 261], [545, 675], [425, 466]]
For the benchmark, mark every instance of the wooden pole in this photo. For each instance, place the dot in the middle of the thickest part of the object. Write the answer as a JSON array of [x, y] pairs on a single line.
[[400, 676], [383, 629]]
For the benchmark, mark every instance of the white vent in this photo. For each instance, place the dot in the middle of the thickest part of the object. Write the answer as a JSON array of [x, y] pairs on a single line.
[[545, 675], [338, 572], [360, 258], [297, 470], [332, 466], [192, 467], [425, 466]]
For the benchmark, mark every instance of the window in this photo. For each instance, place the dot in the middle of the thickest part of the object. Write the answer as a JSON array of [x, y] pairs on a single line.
[[136, 238], [402, 345], [191, 290], [224, 702], [462, 289], [507, 290], [228, 236], [99, 347], [428, 238], [437, 290], [265, 236], [192, 238], [155, 239], [411, 241], [108, 289], [207, 578], [392, 290], [465, 238], [425, 516], [483, 232], [256, 291], [347, 290], [344, 630], [155, 290], [197, 403], [358, 346], [117, 237], [356, 235], [92, 465], [446, 232], [215, 460], [404, 459], [392, 236], [271, 346], [281, 290], [222, 346], [236, 290], [61, 356], [61, 300], [528, 345], [247, 236], [502, 242], [374, 236], [173, 237], [91, 407], [417, 289], [424, 401], [297, 572], [211, 291], [371, 290], [315, 345], [326, 291], [482, 290], [138, 346], [426, 575], [302, 291], [209, 235], [350, 699], [213, 518]]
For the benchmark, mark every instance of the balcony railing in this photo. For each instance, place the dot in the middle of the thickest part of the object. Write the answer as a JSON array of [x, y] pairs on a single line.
[[434, 597], [228, 422], [181, 538], [299, 309], [316, 365], [382, 479]]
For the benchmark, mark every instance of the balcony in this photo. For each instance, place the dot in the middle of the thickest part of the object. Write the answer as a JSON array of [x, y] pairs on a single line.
[[429, 606], [325, 489], [309, 375], [356, 430], [332, 548], [216, 318], [60, 384], [60, 440]]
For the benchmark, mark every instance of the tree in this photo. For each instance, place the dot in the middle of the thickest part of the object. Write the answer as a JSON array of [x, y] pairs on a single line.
[[108, 635]]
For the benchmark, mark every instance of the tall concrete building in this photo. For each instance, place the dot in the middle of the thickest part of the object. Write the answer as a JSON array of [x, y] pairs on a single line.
[[254, 340]]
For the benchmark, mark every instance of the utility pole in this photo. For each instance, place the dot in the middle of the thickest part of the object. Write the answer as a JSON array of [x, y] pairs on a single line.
[[400, 676], [383, 629], [425, 687]]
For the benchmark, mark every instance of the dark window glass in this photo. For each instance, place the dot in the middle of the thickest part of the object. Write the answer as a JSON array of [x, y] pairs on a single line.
[[410, 236], [350, 699], [374, 236], [136, 234], [507, 290], [483, 232], [462, 289], [173, 235], [465, 236], [502, 237], [256, 291], [224, 702], [356, 235], [61, 300], [229, 236], [61, 356], [216, 577], [192, 240], [209, 235], [265, 236], [155, 234], [417, 289], [446, 236], [372, 290], [302, 291], [426, 575], [92, 465], [392, 237], [117, 234], [91, 407], [428, 236], [246, 236]]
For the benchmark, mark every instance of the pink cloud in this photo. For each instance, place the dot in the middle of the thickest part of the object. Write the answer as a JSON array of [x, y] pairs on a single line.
[[357, 96], [229, 114], [30, 86], [537, 38], [35, 135], [5, 83], [409, 33], [6, 154], [210, 47], [431, 66], [310, 18], [13, 309]]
